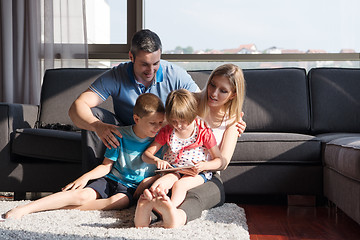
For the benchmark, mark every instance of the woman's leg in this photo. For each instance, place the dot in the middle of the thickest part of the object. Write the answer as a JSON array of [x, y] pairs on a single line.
[[203, 197], [181, 187], [55, 201]]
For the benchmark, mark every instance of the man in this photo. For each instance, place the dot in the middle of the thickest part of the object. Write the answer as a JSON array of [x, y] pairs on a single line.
[[125, 82], [145, 73]]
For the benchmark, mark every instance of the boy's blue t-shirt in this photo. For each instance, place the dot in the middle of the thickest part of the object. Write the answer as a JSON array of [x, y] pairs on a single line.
[[129, 169]]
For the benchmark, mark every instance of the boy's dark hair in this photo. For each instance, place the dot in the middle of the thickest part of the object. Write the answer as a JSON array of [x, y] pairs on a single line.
[[145, 40], [148, 103]]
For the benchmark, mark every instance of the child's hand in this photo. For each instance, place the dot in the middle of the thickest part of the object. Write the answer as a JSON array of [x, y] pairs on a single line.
[[77, 184], [200, 166], [162, 164]]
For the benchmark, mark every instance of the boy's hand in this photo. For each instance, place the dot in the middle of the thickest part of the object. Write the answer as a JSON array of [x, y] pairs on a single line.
[[77, 184]]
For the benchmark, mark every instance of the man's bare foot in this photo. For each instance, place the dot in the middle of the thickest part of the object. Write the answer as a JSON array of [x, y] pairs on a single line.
[[143, 210], [172, 217], [15, 213]]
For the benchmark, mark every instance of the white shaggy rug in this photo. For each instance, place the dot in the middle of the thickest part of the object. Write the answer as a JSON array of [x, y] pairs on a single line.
[[225, 222]]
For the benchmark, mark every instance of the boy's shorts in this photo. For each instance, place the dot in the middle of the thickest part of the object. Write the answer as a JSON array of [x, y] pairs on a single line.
[[106, 188]]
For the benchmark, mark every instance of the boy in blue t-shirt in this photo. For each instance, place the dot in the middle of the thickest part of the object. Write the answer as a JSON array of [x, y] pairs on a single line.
[[120, 178]]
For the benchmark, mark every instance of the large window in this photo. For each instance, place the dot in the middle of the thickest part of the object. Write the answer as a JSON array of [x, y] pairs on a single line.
[[256, 26], [258, 33]]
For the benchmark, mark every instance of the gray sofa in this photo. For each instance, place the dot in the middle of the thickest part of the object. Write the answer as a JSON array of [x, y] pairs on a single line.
[[302, 136]]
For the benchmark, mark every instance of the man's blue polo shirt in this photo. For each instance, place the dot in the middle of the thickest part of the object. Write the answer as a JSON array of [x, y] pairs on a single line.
[[119, 82]]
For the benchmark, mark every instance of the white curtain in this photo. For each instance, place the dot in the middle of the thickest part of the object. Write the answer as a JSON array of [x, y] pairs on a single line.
[[36, 35]]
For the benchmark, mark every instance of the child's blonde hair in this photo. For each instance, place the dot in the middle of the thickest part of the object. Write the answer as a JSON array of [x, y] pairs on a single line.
[[236, 78], [181, 104], [148, 103]]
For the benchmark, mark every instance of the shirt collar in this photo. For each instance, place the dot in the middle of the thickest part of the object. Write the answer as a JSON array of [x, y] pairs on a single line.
[[159, 77]]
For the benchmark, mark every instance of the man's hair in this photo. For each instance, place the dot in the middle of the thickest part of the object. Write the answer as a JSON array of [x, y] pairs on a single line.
[[145, 40], [148, 103], [181, 104]]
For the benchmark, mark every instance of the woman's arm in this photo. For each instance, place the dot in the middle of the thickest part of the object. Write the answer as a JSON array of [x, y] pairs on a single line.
[[216, 162], [228, 144]]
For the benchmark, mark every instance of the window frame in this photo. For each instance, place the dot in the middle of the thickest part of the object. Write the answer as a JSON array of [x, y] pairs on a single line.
[[135, 22]]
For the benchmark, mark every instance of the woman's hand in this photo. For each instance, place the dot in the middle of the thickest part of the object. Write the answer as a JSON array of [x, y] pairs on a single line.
[[241, 125]]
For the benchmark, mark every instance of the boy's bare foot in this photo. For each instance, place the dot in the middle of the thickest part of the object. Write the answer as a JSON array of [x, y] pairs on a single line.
[[147, 195], [15, 213], [172, 217], [143, 210]]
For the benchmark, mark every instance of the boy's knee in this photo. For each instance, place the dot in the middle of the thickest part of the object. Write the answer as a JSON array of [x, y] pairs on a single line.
[[85, 195]]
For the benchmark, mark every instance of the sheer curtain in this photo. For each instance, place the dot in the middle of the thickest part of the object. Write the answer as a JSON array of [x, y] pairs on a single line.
[[34, 36]]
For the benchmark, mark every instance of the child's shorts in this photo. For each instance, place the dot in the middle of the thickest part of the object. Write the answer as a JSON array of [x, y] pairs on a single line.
[[107, 188]]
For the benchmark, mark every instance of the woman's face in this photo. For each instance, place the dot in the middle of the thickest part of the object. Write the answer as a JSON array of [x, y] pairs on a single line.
[[219, 91]]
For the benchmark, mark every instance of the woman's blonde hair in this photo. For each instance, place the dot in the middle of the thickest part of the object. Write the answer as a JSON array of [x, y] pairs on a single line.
[[236, 78], [181, 104]]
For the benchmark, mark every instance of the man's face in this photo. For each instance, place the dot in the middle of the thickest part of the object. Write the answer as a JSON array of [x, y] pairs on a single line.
[[145, 66]]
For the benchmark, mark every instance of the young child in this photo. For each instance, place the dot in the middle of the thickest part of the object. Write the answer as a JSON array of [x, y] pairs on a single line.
[[188, 145], [117, 179]]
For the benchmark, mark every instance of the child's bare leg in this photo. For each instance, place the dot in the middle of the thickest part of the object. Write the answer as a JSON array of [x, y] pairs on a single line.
[[183, 185], [117, 201], [55, 201], [143, 210], [165, 182]]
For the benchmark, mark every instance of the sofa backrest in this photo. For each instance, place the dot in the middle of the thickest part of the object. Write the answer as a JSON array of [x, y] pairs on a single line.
[[335, 99], [276, 100], [59, 90]]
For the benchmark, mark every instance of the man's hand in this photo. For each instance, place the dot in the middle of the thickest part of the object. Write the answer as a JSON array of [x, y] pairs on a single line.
[[106, 134], [241, 125]]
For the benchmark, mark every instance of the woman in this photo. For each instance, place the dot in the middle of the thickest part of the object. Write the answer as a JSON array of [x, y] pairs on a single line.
[[220, 105]]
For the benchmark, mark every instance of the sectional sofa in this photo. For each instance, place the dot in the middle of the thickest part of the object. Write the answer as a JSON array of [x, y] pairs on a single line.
[[302, 136]]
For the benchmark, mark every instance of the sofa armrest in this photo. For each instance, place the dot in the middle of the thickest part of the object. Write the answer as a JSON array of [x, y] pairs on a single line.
[[14, 116]]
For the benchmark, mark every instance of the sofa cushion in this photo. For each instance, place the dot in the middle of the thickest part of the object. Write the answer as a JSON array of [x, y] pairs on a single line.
[[52, 145], [335, 99], [277, 100], [200, 77], [275, 148], [59, 90], [343, 156], [328, 137]]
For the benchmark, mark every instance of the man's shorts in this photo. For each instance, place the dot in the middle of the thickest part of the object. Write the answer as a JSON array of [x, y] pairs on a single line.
[[106, 188]]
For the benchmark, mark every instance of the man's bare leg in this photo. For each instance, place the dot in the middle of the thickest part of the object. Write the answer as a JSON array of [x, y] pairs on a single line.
[[55, 201]]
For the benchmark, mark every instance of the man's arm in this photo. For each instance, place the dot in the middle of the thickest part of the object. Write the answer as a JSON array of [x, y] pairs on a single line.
[[81, 114]]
